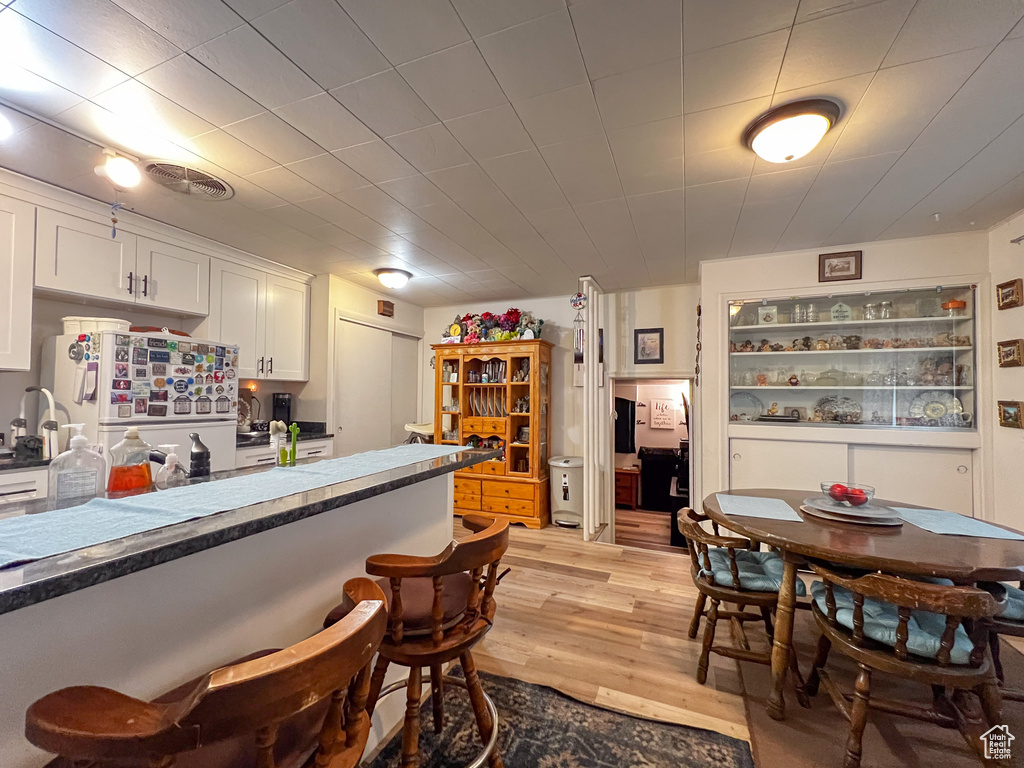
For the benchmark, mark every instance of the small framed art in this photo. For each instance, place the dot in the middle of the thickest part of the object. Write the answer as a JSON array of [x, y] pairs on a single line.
[[1010, 353], [1010, 414], [1010, 294], [648, 346], [844, 265]]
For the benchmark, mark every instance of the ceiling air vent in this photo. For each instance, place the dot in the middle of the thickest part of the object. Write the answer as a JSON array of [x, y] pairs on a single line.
[[189, 181]]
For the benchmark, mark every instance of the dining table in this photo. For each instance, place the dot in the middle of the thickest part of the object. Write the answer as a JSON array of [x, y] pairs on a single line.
[[906, 550]]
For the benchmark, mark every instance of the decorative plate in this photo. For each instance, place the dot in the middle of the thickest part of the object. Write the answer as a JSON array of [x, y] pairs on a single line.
[[825, 504], [892, 521], [839, 408], [934, 404], [744, 407]]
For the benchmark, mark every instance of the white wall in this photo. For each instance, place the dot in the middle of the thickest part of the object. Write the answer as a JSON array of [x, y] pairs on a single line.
[[673, 308], [1006, 262], [566, 400], [641, 392], [910, 263]]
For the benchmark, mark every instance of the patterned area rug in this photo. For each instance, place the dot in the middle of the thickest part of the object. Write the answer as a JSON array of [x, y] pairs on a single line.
[[542, 728]]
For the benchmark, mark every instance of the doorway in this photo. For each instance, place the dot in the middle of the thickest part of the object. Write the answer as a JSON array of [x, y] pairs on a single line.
[[375, 386], [652, 448]]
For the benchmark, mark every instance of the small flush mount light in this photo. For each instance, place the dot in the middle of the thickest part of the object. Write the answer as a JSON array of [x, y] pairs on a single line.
[[789, 132], [119, 171], [6, 129], [392, 278]]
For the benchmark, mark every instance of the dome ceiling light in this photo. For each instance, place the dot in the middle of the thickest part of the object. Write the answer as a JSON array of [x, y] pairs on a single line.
[[119, 171], [392, 278], [790, 131]]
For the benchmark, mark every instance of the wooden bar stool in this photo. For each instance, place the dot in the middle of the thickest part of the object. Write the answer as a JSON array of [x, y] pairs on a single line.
[[438, 609], [302, 706]]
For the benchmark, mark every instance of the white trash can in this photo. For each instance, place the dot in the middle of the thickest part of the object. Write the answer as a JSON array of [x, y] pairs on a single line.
[[566, 491]]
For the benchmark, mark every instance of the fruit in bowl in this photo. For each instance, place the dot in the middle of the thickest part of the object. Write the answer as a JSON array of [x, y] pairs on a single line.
[[848, 494]]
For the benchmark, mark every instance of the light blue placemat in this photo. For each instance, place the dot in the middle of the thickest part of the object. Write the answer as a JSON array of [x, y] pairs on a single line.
[[950, 523], [31, 537], [757, 506]]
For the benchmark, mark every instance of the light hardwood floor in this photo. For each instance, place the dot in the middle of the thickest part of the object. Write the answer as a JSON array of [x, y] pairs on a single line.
[[607, 624], [644, 529]]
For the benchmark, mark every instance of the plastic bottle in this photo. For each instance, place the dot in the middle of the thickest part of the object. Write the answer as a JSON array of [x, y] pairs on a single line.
[[171, 474], [77, 473], [129, 468], [199, 457]]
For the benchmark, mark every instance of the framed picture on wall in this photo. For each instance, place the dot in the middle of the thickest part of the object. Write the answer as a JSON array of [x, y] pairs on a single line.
[[649, 346], [844, 265], [1010, 414], [1009, 294], [663, 414], [1010, 353]]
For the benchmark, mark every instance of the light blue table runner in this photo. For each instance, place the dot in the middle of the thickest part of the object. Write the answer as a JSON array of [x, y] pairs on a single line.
[[952, 524], [32, 537], [757, 506]]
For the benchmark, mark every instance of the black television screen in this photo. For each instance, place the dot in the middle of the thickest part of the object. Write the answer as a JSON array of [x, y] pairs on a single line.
[[625, 429]]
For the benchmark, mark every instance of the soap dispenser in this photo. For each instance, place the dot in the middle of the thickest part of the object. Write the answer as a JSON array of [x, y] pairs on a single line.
[[171, 474], [129, 468], [78, 473]]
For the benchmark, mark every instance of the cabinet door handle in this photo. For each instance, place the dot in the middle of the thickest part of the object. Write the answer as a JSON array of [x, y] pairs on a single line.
[[314, 453], [268, 460], [270, 365], [736, 457], [131, 280], [145, 285], [962, 469], [259, 366]]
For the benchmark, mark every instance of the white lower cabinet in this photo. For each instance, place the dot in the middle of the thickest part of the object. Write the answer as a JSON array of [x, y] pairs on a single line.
[[23, 485], [785, 463], [263, 455]]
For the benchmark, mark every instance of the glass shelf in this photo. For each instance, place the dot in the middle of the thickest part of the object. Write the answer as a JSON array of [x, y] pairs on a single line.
[[889, 359]]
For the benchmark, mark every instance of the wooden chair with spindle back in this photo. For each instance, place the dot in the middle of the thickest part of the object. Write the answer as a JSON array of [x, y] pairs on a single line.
[[301, 706], [1011, 627], [729, 569], [935, 634], [438, 608]]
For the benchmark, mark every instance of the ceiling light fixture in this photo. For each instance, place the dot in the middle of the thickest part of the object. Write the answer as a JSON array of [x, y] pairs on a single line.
[[392, 278], [789, 132], [120, 171], [6, 129]]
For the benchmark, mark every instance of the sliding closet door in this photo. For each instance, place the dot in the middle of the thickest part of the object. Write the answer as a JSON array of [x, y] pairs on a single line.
[[362, 388]]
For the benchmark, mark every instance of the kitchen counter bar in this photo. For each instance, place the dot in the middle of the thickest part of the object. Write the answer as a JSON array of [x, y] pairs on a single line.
[[147, 612]]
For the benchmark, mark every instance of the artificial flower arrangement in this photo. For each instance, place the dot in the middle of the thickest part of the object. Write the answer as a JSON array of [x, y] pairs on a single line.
[[473, 329]]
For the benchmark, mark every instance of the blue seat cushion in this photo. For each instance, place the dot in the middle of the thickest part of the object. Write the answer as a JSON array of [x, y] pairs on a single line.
[[1014, 603], [759, 571], [924, 630]]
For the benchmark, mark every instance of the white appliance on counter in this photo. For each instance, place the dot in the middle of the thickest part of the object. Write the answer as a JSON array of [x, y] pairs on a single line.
[[166, 385]]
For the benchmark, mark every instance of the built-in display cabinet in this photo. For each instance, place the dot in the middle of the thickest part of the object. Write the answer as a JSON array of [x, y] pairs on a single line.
[[893, 360], [497, 395]]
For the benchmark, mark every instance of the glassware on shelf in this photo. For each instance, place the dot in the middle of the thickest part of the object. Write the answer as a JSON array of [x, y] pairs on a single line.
[[954, 308], [799, 314], [870, 311], [811, 315], [885, 311]]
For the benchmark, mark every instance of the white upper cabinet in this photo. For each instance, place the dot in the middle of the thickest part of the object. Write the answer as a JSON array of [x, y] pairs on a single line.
[[173, 277], [17, 227], [238, 313], [287, 336], [78, 256]]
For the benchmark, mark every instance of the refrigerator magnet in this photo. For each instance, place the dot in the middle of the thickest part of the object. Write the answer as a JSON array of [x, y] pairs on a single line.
[[159, 356], [230, 373], [184, 346], [141, 405], [218, 376], [176, 358], [139, 356], [121, 340], [124, 411], [157, 410], [218, 363], [160, 382], [120, 397], [223, 404], [219, 351], [140, 389], [159, 369], [120, 354], [120, 370], [182, 405], [181, 385], [158, 396], [188, 359], [204, 405], [121, 384], [172, 345], [202, 349], [156, 343], [140, 372]]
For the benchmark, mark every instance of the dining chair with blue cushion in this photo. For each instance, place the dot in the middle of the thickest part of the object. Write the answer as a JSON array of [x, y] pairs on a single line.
[[730, 569], [1011, 623], [930, 633]]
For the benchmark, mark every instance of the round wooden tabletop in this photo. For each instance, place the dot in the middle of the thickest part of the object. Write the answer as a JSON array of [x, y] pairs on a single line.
[[904, 549]]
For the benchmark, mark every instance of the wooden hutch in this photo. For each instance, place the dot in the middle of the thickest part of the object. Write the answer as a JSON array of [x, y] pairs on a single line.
[[498, 393]]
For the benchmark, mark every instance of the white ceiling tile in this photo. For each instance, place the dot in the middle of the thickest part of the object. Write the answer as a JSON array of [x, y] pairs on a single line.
[[332, 210], [228, 152], [660, 223], [938, 27], [817, 9], [246, 60], [119, 132], [563, 232], [272, 136], [323, 119], [29, 46], [250, 9], [538, 198], [254, 197], [916, 92], [722, 127], [186, 23], [518, 170], [866, 33], [482, 17], [102, 29], [365, 228], [18, 120], [376, 161], [570, 113], [386, 103], [1017, 31], [649, 157], [454, 82], [463, 182], [373, 202], [712, 211], [640, 95], [296, 217], [491, 133], [706, 25], [414, 191], [617, 37], [733, 162], [610, 227], [285, 184], [405, 31], [735, 72], [187, 82], [323, 41], [584, 169], [146, 107], [536, 57], [771, 201], [430, 148], [39, 95], [328, 173]]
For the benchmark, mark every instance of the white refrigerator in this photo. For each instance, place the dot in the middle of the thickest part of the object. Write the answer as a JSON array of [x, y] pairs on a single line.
[[167, 386]]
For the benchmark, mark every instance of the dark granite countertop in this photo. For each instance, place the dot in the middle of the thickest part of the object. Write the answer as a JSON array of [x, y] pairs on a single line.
[[9, 463], [256, 439], [39, 580]]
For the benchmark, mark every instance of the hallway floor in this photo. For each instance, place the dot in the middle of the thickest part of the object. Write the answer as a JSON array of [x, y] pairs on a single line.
[[644, 529]]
